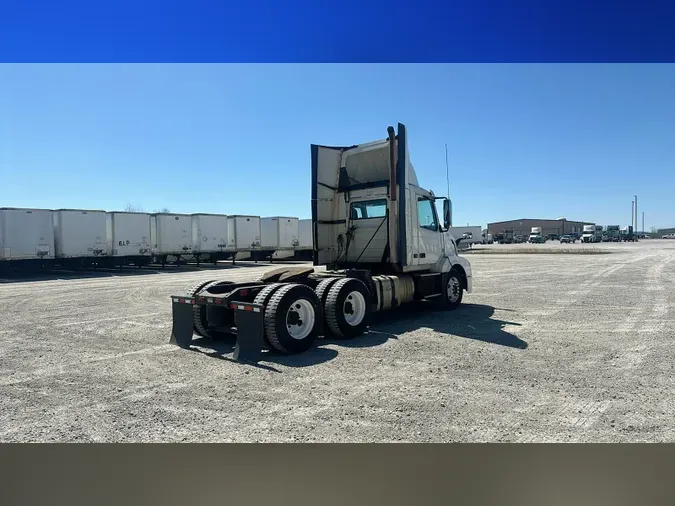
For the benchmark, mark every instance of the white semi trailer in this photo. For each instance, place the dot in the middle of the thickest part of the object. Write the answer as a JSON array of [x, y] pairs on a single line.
[[244, 233], [26, 236], [380, 239], [171, 236], [305, 242], [469, 235], [279, 236], [128, 238], [80, 237], [210, 237]]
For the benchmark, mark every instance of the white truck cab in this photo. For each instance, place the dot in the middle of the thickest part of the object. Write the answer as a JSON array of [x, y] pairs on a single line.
[[536, 235], [363, 221], [588, 234]]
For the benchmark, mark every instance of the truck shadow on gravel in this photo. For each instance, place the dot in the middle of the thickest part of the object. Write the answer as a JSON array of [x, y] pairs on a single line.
[[220, 348], [470, 321]]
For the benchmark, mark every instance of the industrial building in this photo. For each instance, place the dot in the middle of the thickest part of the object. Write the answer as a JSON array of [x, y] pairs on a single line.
[[561, 226]]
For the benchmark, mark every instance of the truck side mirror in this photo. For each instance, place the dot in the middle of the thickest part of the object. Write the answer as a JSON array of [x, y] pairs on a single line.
[[447, 214]]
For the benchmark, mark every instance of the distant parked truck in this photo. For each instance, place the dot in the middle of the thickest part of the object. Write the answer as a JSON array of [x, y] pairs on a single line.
[[26, 235], [627, 234], [598, 233], [536, 236], [486, 238], [507, 236], [588, 234], [613, 233]]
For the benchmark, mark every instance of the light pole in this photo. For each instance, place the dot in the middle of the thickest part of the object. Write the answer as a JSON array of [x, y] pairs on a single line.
[[636, 219]]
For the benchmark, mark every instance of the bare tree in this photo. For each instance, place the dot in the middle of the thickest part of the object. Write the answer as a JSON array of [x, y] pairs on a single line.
[[162, 210], [133, 208]]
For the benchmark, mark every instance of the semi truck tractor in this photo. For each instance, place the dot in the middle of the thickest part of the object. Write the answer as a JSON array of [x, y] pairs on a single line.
[[598, 233], [507, 236], [536, 236], [588, 234], [378, 243], [613, 233]]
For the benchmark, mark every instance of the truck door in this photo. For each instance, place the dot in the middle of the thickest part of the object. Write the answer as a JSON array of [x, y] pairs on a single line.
[[428, 247]]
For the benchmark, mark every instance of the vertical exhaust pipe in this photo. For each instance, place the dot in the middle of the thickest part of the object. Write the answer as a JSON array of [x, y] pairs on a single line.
[[392, 163]]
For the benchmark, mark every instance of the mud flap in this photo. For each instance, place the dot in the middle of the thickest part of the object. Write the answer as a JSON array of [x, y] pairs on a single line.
[[249, 319], [181, 332]]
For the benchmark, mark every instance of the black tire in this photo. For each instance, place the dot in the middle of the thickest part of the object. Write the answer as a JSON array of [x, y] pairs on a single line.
[[198, 312], [263, 298], [455, 278], [264, 295], [201, 314], [323, 288], [277, 310], [321, 291], [219, 316], [338, 300]]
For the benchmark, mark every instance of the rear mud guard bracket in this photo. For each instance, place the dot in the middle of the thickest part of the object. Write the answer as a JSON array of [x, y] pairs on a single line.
[[249, 319], [182, 330]]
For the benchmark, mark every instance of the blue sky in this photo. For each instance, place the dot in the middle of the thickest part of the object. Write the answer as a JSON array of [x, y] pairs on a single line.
[[524, 140]]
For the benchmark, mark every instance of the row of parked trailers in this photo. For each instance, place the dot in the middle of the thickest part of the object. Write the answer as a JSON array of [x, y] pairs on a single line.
[[77, 237]]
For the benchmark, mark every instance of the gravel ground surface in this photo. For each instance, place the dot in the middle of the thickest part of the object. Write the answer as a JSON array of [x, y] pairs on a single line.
[[547, 348]]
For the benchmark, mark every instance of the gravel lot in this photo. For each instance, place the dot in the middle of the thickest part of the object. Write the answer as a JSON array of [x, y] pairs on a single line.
[[552, 347]]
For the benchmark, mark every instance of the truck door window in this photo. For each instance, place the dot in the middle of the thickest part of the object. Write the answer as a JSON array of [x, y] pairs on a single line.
[[426, 214], [369, 209]]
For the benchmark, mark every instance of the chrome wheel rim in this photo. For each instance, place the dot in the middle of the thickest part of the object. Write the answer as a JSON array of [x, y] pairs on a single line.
[[454, 289]]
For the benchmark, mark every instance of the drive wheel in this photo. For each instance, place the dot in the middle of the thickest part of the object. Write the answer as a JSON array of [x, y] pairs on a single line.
[[348, 308], [321, 291], [293, 318], [198, 312], [203, 314], [453, 289], [263, 298]]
